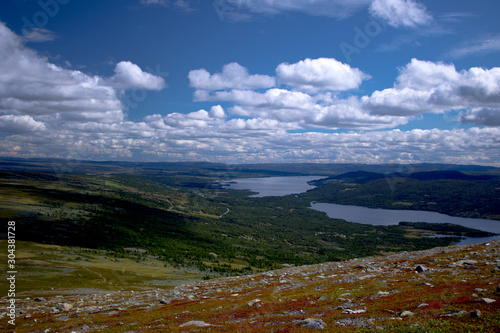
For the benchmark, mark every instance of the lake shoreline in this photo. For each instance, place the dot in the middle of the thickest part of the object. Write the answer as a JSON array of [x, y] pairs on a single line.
[[387, 217], [273, 186], [286, 185]]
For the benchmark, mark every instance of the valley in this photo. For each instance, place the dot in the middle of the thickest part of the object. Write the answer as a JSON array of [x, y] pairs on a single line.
[[113, 228], [177, 213]]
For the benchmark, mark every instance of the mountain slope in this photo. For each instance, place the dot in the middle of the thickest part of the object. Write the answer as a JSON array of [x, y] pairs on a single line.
[[451, 289], [361, 176], [447, 192]]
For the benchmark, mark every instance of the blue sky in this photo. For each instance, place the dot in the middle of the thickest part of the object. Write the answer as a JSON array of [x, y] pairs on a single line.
[[236, 81]]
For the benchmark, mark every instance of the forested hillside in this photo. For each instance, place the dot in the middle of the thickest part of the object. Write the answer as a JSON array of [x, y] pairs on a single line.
[[175, 213], [448, 192]]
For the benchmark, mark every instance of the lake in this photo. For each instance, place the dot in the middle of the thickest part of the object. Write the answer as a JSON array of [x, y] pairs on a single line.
[[392, 217], [273, 186], [280, 186]]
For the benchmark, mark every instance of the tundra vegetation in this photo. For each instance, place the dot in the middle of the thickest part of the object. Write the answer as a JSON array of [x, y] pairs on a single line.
[[447, 289]]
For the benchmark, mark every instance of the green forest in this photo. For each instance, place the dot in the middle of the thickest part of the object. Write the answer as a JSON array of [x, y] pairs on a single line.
[[178, 214]]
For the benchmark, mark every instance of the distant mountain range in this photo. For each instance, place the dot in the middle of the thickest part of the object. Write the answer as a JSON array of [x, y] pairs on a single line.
[[361, 176], [74, 166]]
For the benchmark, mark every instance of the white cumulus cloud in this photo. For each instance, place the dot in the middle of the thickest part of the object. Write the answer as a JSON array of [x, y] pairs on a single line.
[[130, 76], [33, 86], [20, 124], [424, 75], [320, 74], [425, 86], [51, 111], [233, 76]]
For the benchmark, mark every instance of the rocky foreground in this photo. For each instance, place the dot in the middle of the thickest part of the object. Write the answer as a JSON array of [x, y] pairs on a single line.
[[452, 289]]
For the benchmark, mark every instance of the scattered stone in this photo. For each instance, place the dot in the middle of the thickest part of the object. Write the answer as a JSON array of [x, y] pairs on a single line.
[[455, 314], [485, 300], [351, 311], [475, 314], [312, 323], [293, 313], [64, 307], [197, 323], [346, 305], [356, 322], [395, 270], [380, 294], [466, 262], [420, 268], [253, 302], [406, 314]]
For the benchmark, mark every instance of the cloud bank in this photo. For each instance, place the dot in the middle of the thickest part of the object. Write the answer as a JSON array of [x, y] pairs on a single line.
[[311, 110]]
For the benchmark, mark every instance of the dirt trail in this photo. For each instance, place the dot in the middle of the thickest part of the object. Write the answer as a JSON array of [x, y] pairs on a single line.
[[224, 213], [100, 275]]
